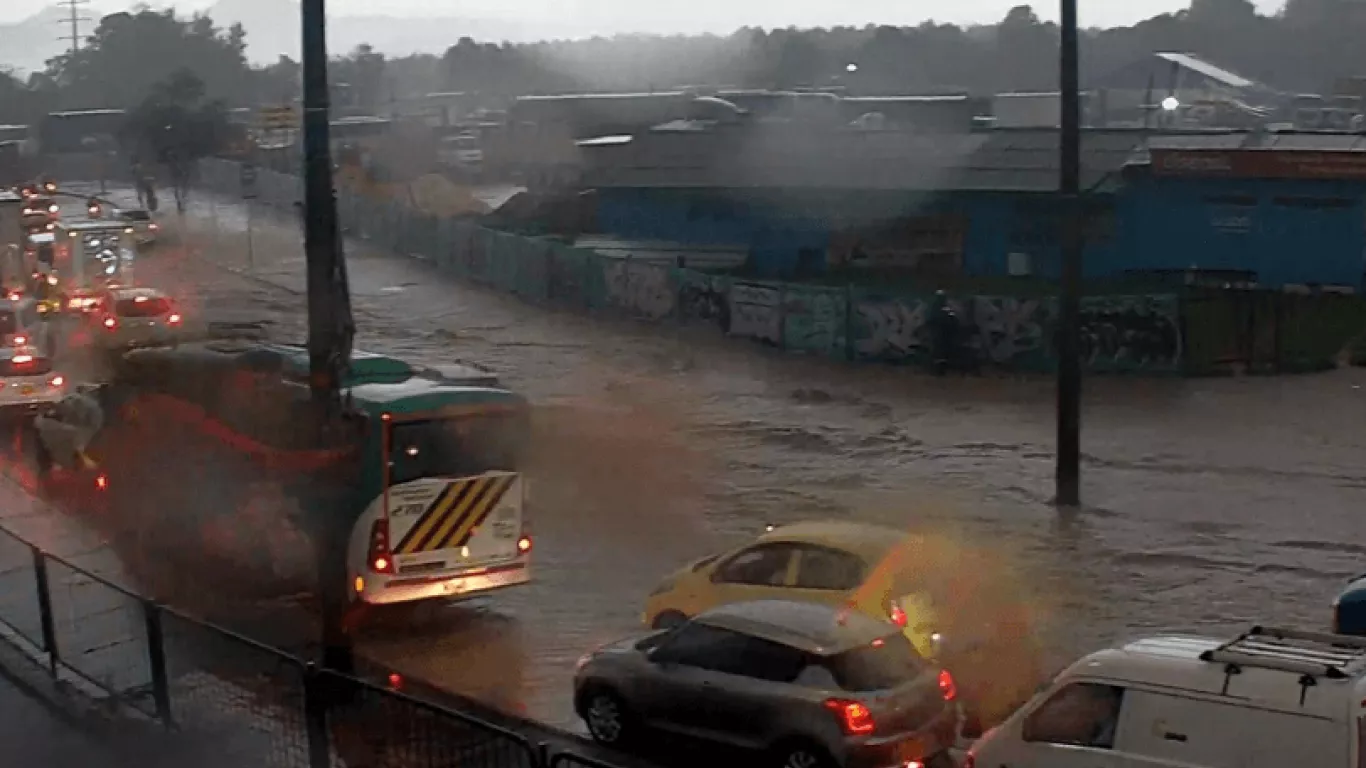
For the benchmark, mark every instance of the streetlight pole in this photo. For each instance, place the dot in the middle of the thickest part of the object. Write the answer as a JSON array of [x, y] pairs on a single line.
[[1068, 474]]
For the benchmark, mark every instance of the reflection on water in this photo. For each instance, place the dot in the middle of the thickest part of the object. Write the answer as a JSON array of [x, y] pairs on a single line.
[[1211, 504]]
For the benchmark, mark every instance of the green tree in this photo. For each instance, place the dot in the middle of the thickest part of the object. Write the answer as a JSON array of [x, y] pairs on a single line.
[[174, 127], [129, 53]]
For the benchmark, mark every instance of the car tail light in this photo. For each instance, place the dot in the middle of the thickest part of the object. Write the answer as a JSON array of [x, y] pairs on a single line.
[[854, 717], [524, 544], [154, 227], [57, 382], [102, 482], [174, 319], [897, 615], [947, 687], [20, 341], [22, 359], [111, 323], [380, 560]]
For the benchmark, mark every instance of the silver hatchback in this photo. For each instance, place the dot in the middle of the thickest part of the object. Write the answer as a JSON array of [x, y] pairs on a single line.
[[803, 684]]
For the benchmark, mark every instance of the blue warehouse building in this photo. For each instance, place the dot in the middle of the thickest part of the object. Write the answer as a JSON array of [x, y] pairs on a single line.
[[1272, 209]]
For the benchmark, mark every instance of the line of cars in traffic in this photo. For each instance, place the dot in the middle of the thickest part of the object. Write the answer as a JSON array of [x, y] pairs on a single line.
[[835, 645]]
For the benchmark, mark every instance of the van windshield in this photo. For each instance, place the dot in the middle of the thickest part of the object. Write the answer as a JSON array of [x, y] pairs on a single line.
[[458, 447], [888, 662]]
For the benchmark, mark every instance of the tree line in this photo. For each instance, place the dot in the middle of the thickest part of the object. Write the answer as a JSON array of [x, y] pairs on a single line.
[[1302, 48]]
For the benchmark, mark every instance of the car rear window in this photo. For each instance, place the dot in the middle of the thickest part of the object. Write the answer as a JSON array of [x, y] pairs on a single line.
[[19, 366], [150, 307], [137, 215], [885, 663]]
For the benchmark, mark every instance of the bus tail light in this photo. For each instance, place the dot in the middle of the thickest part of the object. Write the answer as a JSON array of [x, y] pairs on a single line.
[[380, 559]]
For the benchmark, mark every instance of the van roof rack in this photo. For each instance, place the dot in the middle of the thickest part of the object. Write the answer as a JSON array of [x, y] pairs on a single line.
[[1316, 654]]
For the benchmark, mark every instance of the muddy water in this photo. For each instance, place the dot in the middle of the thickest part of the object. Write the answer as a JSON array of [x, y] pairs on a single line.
[[1211, 504]]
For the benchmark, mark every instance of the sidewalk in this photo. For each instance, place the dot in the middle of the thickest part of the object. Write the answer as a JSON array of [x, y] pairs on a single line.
[[35, 734]]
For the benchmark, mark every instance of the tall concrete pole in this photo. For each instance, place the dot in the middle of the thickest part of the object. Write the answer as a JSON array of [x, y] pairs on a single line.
[[1068, 475]]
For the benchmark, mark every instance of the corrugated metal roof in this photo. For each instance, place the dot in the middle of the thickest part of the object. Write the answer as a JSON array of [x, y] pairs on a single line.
[[1222, 76], [1315, 142]]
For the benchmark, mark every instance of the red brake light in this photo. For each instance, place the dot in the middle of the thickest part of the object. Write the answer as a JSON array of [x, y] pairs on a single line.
[[111, 323], [20, 340], [57, 381], [102, 483], [22, 359], [380, 561], [897, 615], [174, 319], [524, 544], [947, 688], [854, 717]]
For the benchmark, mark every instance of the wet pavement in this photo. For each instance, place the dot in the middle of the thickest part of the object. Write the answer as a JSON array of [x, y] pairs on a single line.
[[1212, 504]]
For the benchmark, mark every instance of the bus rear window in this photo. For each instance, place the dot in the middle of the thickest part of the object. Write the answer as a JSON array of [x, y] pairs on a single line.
[[888, 663], [25, 366], [458, 447], [151, 307]]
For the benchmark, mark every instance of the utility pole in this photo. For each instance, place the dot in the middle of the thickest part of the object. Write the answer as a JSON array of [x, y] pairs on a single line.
[[1068, 475], [330, 324], [73, 20]]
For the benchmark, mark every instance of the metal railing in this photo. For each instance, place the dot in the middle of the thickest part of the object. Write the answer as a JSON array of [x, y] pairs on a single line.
[[230, 697]]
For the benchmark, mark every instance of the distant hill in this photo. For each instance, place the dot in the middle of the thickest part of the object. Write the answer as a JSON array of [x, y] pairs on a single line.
[[27, 45], [273, 28]]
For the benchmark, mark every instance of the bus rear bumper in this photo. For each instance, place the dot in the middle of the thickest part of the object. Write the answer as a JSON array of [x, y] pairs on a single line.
[[390, 590]]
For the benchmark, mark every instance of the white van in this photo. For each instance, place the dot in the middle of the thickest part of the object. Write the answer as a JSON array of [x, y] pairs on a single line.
[[1271, 698]]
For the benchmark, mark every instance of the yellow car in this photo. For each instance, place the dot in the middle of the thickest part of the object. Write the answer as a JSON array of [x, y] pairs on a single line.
[[868, 568]]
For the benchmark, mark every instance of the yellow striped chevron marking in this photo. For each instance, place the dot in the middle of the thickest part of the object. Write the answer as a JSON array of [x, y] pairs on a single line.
[[455, 514]]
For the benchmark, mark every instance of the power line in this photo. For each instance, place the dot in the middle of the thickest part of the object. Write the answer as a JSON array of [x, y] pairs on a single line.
[[73, 20]]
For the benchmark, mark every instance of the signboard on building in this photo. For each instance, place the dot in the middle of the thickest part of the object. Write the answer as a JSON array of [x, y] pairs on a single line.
[[1259, 164], [277, 118]]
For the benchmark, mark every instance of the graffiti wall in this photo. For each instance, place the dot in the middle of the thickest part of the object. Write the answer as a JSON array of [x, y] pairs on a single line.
[[1140, 333], [1131, 333], [642, 289], [756, 312], [815, 320]]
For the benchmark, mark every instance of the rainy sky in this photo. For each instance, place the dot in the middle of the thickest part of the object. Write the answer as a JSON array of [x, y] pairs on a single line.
[[612, 16]]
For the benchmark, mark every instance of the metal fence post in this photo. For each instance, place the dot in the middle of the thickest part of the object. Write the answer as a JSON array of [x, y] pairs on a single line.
[[316, 696], [45, 609], [156, 660]]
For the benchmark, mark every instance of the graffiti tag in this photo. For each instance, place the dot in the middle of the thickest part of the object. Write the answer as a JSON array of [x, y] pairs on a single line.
[[756, 312], [642, 289], [1131, 333], [814, 320], [701, 299], [1007, 327], [893, 330]]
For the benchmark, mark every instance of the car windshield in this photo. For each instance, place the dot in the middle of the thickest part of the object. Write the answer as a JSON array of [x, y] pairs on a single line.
[[149, 307], [25, 365], [886, 663], [458, 447]]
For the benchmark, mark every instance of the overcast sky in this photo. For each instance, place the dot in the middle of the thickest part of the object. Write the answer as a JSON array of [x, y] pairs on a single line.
[[715, 15]]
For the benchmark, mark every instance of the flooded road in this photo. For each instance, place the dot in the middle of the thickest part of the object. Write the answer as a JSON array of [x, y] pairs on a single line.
[[1211, 504]]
